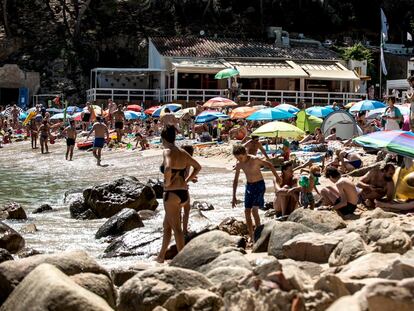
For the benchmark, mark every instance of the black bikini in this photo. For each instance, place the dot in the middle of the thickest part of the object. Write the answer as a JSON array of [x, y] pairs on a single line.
[[182, 194]]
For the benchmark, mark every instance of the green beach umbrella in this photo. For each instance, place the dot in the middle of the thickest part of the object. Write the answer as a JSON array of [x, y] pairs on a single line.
[[226, 73]]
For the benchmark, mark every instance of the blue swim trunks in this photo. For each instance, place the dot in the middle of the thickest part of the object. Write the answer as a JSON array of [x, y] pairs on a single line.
[[98, 142], [254, 194]]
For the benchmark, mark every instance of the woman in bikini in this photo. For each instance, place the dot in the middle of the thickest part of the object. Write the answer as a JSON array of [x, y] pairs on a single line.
[[175, 166]]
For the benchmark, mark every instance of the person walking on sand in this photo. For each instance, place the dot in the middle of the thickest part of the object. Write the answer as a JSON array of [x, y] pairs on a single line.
[[255, 187], [44, 131], [176, 165], [71, 134], [119, 118], [33, 130], [101, 130]]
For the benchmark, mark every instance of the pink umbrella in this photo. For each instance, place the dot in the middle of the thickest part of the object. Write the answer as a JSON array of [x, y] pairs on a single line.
[[219, 102]]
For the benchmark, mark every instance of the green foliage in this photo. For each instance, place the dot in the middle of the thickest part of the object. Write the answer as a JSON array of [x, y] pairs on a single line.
[[356, 52]]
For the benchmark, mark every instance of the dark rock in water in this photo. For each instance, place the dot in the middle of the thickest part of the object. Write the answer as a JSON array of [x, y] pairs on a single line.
[[158, 187], [318, 221], [133, 243], [233, 227], [28, 252], [202, 206], [43, 208], [77, 208], [12, 210], [88, 214], [127, 219], [107, 199], [10, 239], [147, 214], [5, 255]]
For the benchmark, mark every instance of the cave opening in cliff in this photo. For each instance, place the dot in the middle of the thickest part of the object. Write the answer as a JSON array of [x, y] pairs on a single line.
[[9, 96]]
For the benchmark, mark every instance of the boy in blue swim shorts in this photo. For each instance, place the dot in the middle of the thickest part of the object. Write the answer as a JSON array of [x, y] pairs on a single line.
[[101, 131], [255, 186]]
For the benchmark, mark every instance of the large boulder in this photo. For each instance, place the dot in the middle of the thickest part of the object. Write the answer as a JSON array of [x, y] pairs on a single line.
[[281, 233], [126, 220], [383, 235], [391, 295], [310, 246], [401, 268], [346, 303], [98, 284], [107, 199], [318, 221], [122, 274], [5, 255], [12, 210], [349, 248], [10, 239], [47, 288], [79, 210], [154, 287], [333, 285], [223, 274], [233, 227], [195, 300], [205, 248], [230, 259], [158, 187], [43, 208], [262, 236], [70, 263]]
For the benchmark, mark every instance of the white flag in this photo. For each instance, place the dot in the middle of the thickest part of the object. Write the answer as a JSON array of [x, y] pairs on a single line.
[[384, 68], [384, 26], [409, 37]]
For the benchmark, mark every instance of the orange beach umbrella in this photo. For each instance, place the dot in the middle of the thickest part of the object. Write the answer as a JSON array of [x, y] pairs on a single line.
[[242, 112]]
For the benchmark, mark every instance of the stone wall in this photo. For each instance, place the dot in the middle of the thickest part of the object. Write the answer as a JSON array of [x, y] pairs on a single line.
[[11, 76]]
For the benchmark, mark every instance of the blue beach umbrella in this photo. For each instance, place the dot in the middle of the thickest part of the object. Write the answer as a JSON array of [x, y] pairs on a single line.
[[73, 109], [208, 116], [366, 105], [22, 116], [59, 116], [270, 114], [318, 111], [288, 108], [54, 110], [172, 107], [132, 115]]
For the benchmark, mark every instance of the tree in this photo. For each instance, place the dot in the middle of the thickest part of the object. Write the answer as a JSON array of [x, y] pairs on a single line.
[[5, 18]]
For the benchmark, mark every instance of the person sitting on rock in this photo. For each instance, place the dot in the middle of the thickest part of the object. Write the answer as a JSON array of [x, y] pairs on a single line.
[[286, 198]]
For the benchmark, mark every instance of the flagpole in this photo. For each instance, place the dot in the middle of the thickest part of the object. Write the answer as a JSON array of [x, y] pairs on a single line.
[[380, 65]]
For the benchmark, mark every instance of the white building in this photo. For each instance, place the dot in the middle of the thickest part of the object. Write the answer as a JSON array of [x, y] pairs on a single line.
[[400, 86]]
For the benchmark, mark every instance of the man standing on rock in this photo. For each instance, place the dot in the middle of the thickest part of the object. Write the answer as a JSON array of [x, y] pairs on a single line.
[[255, 187], [100, 130], [119, 118]]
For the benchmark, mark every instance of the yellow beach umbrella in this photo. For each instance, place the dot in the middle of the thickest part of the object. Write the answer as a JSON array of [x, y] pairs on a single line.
[[279, 129], [349, 105]]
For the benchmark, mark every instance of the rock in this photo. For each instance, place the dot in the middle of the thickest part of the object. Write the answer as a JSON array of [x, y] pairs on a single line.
[[379, 213], [27, 252], [47, 288], [312, 269], [78, 208], [367, 266], [318, 221], [154, 287], [10, 239], [70, 263], [5, 255], [383, 235], [12, 210], [391, 295], [263, 270], [297, 278], [271, 213], [401, 268], [98, 284], [125, 220], [222, 274], [281, 233], [230, 259], [146, 214], [134, 243], [120, 275], [43, 208], [158, 187], [317, 300], [204, 249], [30, 228], [258, 259], [310, 246], [195, 300], [332, 284], [346, 303], [233, 227], [262, 236], [351, 247], [202, 206], [107, 199]]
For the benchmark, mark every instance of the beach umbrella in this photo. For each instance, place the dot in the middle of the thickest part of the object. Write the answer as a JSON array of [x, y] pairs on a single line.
[[54, 110], [319, 111], [219, 102], [226, 73], [136, 108], [242, 112], [73, 109], [399, 142], [132, 115], [366, 105], [7, 111], [279, 129], [349, 105], [180, 113], [172, 107], [376, 113], [151, 110], [59, 116], [31, 110], [96, 109], [22, 116], [288, 108], [270, 114], [260, 107], [77, 116], [208, 116]]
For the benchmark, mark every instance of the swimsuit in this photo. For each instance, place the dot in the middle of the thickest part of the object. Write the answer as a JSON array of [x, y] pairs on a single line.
[[306, 198], [254, 194], [181, 193], [70, 142], [98, 142], [119, 125], [356, 163], [86, 117], [348, 209]]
